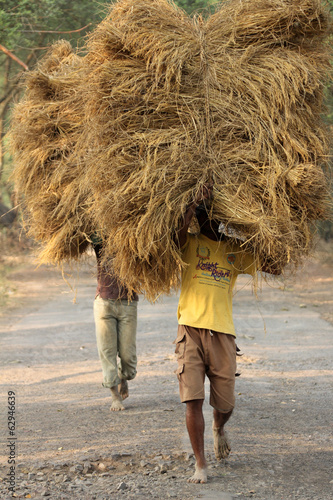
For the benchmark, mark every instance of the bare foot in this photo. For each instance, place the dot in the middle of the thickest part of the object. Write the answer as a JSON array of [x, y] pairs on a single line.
[[117, 405], [116, 400], [199, 477], [221, 445], [123, 389]]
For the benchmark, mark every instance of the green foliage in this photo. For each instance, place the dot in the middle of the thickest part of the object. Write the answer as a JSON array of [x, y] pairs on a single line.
[[195, 5], [22, 20]]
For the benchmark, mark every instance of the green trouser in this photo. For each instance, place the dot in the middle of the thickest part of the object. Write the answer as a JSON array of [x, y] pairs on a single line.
[[115, 322]]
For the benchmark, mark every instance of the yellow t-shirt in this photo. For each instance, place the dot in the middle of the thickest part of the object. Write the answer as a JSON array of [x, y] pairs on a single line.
[[207, 282]]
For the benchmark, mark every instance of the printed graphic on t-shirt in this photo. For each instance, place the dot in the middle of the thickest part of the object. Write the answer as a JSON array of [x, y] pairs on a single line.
[[231, 258], [210, 272], [203, 252]]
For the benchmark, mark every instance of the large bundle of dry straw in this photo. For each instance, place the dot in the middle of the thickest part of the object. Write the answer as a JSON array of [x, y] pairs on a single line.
[[44, 130], [171, 103]]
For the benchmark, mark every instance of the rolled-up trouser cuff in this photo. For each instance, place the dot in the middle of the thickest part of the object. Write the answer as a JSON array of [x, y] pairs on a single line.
[[126, 375]]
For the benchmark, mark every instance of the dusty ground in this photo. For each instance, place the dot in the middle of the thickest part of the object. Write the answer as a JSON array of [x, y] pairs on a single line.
[[67, 444]]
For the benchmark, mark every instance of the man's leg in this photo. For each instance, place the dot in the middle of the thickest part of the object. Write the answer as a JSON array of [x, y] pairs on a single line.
[[196, 427], [107, 345], [127, 344], [191, 377], [221, 445], [221, 373]]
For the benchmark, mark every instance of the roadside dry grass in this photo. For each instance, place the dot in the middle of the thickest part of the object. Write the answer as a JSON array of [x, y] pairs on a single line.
[[317, 291], [15, 253]]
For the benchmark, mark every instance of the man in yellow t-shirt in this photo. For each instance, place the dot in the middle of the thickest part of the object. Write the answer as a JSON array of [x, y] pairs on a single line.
[[205, 343]]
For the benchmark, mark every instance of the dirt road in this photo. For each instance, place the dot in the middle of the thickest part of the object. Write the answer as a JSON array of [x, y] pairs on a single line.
[[67, 444]]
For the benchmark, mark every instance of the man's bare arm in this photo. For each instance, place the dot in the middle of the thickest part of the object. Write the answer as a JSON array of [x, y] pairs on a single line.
[[180, 236]]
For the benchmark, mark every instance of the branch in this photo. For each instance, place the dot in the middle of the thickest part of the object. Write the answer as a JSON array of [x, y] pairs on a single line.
[[5, 97], [10, 54], [62, 32]]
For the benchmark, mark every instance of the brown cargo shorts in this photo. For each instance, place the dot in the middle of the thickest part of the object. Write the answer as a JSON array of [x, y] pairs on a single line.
[[203, 352]]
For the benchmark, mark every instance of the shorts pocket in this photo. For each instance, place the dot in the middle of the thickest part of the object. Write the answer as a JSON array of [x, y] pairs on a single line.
[[180, 346], [179, 370]]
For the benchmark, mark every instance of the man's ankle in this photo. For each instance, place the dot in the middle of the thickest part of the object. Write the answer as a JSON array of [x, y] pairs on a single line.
[[114, 392]]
